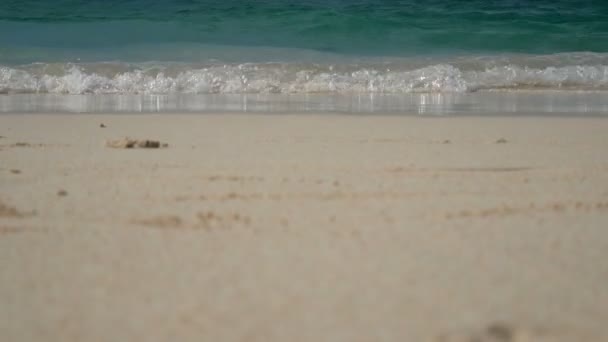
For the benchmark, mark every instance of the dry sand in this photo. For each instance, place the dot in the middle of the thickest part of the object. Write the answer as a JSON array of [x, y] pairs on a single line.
[[303, 228]]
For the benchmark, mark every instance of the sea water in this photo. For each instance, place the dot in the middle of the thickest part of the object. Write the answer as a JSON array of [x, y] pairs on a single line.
[[306, 55]]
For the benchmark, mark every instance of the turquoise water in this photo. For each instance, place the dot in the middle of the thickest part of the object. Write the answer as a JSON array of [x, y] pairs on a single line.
[[273, 46], [360, 27]]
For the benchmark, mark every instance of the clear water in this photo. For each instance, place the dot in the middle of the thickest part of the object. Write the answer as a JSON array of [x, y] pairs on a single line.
[[99, 28], [581, 104]]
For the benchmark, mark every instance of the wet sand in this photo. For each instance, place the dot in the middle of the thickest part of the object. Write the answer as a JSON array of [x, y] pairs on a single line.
[[303, 228]]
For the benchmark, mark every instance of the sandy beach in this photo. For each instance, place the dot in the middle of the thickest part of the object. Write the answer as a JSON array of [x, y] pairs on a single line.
[[303, 228]]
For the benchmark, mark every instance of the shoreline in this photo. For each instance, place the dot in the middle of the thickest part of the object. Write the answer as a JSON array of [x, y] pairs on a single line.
[[303, 227], [484, 103]]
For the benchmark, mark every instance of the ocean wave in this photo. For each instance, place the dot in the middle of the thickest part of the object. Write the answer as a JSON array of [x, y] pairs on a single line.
[[293, 78]]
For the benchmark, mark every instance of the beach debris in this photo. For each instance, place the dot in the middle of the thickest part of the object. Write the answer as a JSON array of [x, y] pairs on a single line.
[[135, 143], [15, 171], [21, 144], [102, 125], [446, 141], [501, 141], [62, 193]]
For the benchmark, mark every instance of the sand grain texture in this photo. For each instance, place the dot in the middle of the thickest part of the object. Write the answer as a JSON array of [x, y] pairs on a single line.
[[304, 228]]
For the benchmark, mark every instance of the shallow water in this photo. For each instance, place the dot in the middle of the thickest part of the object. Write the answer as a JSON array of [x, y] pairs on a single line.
[[436, 104]]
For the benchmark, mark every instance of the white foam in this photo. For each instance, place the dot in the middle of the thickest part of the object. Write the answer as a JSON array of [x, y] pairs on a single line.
[[285, 78]]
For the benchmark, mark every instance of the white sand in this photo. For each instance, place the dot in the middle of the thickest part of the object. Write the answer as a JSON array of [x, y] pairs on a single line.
[[303, 228]]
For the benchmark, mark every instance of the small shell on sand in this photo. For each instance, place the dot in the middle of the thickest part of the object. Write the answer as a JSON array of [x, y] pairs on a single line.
[[135, 143]]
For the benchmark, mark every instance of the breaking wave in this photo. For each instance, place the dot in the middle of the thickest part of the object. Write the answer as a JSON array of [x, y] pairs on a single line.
[[293, 78]]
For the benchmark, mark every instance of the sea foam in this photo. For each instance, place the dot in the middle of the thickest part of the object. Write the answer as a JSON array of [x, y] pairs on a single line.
[[294, 78]]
